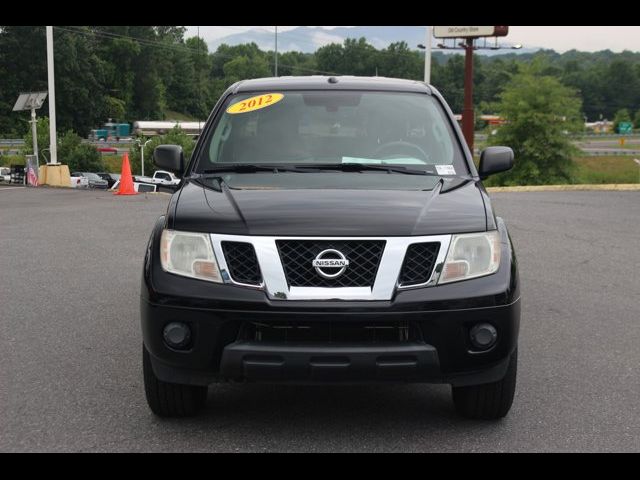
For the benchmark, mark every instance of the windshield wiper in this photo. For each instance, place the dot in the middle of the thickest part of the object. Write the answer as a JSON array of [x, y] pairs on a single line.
[[250, 168], [361, 167], [315, 167]]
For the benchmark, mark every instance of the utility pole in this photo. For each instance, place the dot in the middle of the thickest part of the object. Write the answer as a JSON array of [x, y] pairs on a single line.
[[52, 98], [275, 74], [467, 111]]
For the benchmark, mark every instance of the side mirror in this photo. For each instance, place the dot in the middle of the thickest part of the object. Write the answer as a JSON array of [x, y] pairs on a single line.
[[495, 160], [169, 157]]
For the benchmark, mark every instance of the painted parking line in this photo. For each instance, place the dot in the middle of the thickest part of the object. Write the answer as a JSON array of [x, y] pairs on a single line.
[[9, 188]]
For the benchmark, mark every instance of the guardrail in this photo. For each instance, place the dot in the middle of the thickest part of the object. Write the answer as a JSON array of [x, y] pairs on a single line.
[[11, 141], [607, 153], [605, 134]]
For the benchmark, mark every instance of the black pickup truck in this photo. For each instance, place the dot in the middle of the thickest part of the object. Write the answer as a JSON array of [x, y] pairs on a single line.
[[330, 230]]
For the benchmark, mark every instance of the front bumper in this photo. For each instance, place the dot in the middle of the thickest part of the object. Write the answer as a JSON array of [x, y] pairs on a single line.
[[442, 315]]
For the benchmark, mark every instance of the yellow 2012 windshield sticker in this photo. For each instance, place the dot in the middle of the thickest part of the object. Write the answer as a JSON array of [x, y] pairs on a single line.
[[255, 103]]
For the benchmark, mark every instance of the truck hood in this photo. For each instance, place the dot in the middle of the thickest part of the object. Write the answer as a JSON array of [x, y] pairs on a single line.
[[445, 209]]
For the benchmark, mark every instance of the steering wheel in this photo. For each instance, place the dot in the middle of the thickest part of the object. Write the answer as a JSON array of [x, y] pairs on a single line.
[[402, 145]]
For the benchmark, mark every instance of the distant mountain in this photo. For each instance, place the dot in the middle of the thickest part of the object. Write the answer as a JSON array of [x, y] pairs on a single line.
[[309, 39]]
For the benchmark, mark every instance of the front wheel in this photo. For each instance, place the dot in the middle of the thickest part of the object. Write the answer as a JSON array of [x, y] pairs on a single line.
[[488, 401], [170, 399]]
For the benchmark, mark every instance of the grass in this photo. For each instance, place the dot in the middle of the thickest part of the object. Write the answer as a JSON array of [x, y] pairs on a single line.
[[627, 146], [607, 169], [601, 169]]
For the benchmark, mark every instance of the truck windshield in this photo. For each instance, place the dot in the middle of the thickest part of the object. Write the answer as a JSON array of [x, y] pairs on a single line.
[[333, 127]]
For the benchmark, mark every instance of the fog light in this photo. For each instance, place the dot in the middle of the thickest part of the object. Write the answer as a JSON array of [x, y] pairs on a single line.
[[177, 335], [483, 336]]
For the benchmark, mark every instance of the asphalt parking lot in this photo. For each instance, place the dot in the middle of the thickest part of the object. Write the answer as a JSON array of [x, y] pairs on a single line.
[[70, 359]]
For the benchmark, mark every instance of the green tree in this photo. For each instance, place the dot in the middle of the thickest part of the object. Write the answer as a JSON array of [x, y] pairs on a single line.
[[114, 108], [539, 111], [23, 68], [243, 67], [398, 61], [353, 57], [449, 80], [295, 63], [80, 96], [620, 87]]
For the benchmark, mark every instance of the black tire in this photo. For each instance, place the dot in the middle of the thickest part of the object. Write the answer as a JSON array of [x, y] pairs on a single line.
[[170, 399], [488, 401]]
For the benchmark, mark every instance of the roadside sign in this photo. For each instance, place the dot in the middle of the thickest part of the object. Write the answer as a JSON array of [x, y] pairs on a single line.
[[625, 127], [461, 32]]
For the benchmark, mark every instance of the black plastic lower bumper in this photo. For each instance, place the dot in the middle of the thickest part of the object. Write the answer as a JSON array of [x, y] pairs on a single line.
[[443, 354]]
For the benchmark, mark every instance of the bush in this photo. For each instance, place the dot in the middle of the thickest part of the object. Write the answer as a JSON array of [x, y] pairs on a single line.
[[79, 156], [8, 160], [43, 140], [540, 113]]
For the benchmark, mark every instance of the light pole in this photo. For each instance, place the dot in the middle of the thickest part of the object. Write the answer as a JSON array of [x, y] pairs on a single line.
[[52, 97], [427, 57], [141, 145], [275, 73]]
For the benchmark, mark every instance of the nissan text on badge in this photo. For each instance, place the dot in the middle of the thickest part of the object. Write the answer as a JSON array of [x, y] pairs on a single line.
[[330, 230]]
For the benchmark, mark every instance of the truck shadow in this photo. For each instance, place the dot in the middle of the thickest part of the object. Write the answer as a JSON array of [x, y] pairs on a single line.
[[393, 417], [351, 417]]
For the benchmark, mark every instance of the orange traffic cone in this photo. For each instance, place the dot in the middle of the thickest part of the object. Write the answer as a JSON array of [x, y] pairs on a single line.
[[126, 180]]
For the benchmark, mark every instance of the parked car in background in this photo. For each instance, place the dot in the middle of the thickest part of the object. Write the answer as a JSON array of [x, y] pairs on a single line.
[[162, 177], [79, 181], [94, 180], [141, 179], [111, 178], [5, 174]]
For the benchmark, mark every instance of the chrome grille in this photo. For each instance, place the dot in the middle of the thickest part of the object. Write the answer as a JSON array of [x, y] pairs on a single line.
[[363, 256]]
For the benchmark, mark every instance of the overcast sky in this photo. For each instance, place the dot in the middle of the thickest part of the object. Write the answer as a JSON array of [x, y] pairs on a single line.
[[561, 39]]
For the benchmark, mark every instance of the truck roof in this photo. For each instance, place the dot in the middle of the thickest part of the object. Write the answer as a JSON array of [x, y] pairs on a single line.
[[325, 82]]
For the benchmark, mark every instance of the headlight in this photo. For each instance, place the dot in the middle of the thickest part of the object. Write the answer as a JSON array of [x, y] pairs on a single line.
[[189, 254], [471, 255]]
